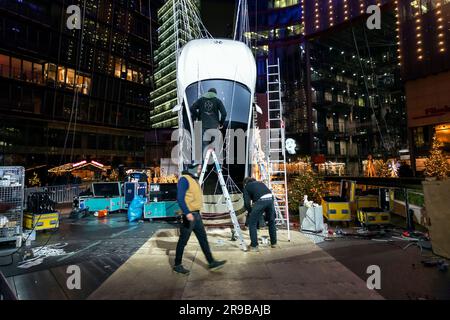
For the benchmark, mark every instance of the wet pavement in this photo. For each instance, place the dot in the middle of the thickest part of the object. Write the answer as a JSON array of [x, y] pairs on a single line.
[[126, 260], [97, 246]]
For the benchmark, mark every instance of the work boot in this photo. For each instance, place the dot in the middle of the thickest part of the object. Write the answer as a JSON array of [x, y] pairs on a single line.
[[253, 249], [181, 270], [216, 265]]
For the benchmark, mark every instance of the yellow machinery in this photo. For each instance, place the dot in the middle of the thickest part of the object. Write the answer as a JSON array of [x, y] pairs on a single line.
[[373, 206], [373, 216], [339, 208], [336, 209], [42, 221], [348, 204]]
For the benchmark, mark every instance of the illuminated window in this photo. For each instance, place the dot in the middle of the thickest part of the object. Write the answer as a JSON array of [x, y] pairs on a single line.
[[70, 77], [361, 102], [443, 133], [50, 72], [15, 68], [61, 74], [4, 65], [27, 71], [117, 68], [84, 83], [284, 3], [37, 73], [419, 140]]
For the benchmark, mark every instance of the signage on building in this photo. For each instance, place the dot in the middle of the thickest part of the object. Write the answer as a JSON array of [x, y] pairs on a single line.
[[428, 100]]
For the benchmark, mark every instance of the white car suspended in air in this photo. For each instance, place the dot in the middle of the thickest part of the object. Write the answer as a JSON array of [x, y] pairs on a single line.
[[230, 68]]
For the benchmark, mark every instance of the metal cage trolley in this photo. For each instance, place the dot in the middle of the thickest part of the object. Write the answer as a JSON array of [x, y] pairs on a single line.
[[12, 181]]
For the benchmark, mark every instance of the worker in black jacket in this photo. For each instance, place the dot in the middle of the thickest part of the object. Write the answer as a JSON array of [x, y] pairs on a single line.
[[211, 112], [263, 202]]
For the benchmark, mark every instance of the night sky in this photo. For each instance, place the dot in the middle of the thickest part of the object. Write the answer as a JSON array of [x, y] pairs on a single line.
[[218, 17]]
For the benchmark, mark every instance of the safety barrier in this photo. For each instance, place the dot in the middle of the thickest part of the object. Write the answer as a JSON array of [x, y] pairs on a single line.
[[59, 194]]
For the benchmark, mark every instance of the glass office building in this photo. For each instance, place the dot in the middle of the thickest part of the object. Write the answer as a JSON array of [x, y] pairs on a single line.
[[69, 95], [342, 92], [177, 27]]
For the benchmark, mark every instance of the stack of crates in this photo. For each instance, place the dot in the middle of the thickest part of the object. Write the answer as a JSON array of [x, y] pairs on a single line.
[[12, 182], [41, 213]]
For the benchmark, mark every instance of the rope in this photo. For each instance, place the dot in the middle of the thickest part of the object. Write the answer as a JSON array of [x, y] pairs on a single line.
[[376, 86], [367, 88]]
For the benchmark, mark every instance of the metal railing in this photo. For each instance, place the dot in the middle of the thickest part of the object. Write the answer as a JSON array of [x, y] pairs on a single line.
[[59, 194]]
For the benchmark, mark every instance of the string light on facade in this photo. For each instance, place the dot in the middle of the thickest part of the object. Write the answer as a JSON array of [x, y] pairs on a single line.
[[302, 6], [397, 29], [316, 15], [346, 10], [361, 6], [418, 28], [330, 13], [440, 27]]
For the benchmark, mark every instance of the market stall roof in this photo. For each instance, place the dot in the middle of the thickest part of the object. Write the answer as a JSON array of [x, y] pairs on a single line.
[[69, 167]]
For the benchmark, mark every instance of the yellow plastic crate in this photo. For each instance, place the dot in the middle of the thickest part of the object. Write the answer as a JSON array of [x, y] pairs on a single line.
[[42, 221]]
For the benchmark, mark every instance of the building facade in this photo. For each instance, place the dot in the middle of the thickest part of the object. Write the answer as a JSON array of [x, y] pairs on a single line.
[[75, 94], [178, 25], [424, 55], [343, 94]]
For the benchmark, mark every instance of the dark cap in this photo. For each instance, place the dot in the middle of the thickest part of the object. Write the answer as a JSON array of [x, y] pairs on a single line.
[[213, 90]]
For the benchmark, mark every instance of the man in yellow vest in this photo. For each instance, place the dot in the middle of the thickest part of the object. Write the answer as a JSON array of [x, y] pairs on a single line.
[[190, 200]]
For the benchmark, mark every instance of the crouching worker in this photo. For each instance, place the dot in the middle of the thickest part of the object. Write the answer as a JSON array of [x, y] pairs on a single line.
[[190, 200], [262, 199]]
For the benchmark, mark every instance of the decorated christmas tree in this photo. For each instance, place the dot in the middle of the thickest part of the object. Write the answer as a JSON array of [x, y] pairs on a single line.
[[307, 183], [436, 165]]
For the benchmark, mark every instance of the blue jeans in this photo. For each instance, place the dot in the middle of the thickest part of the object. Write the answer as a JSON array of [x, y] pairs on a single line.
[[259, 207]]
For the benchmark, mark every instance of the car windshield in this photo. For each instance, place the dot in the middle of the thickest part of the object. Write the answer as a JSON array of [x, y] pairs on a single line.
[[236, 98]]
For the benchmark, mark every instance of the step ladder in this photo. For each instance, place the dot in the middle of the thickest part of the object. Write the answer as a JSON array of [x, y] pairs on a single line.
[[276, 153], [226, 194]]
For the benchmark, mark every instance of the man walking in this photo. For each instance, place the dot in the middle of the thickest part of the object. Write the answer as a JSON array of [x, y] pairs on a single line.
[[190, 200], [262, 199], [211, 112]]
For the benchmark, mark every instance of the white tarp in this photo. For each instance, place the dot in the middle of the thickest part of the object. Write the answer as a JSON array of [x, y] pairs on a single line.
[[205, 59]]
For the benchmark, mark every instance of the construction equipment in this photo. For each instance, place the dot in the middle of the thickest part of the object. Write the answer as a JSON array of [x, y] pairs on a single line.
[[276, 173], [336, 208], [234, 220], [42, 221], [162, 201], [373, 216]]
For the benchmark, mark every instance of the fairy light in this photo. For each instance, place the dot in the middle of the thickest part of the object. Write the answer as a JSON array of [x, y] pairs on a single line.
[[440, 27], [330, 13], [397, 29], [346, 11], [418, 28], [361, 6], [303, 24], [317, 14]]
